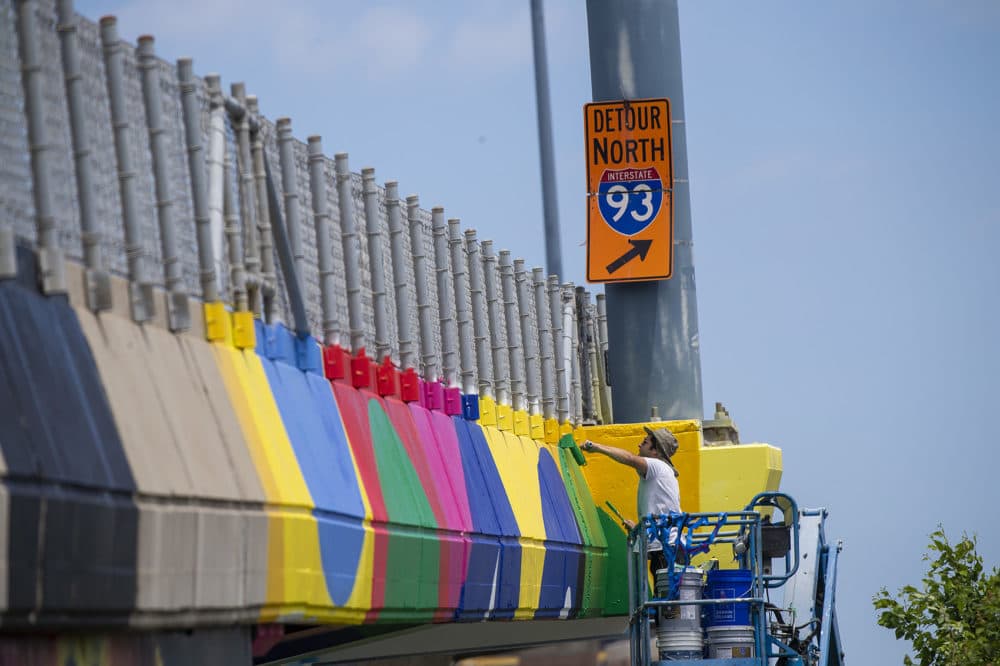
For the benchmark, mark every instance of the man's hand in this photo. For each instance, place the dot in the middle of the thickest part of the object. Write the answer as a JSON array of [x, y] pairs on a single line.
[[587, 445], [628, 524]]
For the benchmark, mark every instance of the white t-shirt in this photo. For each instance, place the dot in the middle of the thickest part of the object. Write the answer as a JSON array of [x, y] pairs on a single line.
[[658, 492]]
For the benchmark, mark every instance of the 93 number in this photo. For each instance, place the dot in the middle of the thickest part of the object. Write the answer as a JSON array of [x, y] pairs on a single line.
[[630, 207]]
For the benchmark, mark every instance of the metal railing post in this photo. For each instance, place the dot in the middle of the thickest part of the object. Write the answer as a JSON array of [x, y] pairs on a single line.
[[429, 369], [499, 353], [397, 247], [515, 349], [446, 298], [352, 252], [480, 317], [463, 313], [529, 341], [199, 186], [97, 284], [290, 194], [324, 246], [546, 356], [558, 343], [376, 265], [140, 291], [178, 316], [248, 207]]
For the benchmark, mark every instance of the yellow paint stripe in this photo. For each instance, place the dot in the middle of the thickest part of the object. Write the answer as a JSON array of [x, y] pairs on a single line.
[[296, 587]]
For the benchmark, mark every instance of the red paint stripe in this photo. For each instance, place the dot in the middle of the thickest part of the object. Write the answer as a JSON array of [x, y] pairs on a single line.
[[354, 412]]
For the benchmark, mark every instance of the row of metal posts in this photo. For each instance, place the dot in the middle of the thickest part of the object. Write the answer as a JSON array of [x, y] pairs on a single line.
[[520, 339]]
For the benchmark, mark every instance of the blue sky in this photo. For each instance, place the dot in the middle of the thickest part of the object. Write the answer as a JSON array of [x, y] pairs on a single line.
[[846, 211]]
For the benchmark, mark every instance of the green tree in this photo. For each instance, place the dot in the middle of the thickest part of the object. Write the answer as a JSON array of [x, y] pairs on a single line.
[[954, 618]]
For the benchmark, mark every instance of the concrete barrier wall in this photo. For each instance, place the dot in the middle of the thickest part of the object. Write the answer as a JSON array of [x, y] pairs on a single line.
[[159, 479]]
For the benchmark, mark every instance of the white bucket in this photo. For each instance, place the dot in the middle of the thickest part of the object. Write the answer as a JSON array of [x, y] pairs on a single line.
[[730, 642], [681, 617], [677, 644]]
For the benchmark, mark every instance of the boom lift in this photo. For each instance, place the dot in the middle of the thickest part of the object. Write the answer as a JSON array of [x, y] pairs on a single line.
[[733, 606]]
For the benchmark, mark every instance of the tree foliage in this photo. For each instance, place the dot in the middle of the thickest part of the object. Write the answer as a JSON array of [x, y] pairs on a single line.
[[954, 617]]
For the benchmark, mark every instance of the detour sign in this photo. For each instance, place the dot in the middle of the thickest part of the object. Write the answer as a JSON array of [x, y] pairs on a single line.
[[630, 211]]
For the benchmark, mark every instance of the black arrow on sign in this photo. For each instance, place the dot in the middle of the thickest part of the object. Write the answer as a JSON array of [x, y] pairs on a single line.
[[640, 248]]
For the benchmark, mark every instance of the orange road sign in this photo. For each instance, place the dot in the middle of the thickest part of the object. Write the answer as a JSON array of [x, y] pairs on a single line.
[[630, 181]]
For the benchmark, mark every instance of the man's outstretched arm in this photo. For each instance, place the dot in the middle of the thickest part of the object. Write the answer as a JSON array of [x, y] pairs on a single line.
[[638, 463]]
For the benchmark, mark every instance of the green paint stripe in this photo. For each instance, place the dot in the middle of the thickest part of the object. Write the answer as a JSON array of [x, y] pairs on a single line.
[[413, 559]]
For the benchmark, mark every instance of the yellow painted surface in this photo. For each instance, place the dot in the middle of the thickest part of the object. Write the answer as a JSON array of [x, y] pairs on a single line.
[[217, 322], [516, 460], [617, 483], [361, 593], [551, 433], [505, 417], [536, 425], [244, 336], [566, 427], [295, 585], [487, 411], [521, 426], [730, 477]]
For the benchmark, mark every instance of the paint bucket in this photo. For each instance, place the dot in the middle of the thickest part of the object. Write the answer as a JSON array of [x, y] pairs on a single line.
[[689, 589], [728, 584], [730, 642], [677, 644]]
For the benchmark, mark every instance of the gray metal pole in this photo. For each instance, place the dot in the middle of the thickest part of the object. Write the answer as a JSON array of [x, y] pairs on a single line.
[[480, 320], [515, 350], [90, 234], [546, 357], [215, 159], [558, 344], [352, 251], [499, 353], [602, 358], [446, 298], [376, 265], [571, 345], [51, 259], [141, 304], [233, 238], [178, 317], [463, 313], [324, 248], [429, 369], [583, 356], [248, 208], [652, 326], [293, 281], [267, 269], [149, 66], [199, 186], [290, 191], [553, 245], [529, 341], [397, 248], [591, 358]]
